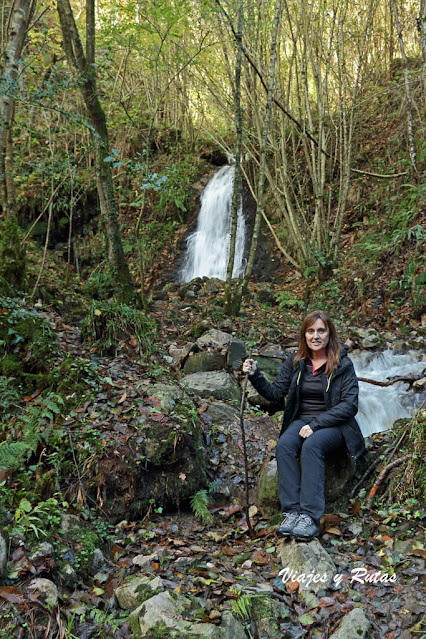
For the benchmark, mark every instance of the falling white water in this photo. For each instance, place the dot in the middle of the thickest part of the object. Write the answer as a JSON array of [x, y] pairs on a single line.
[[208, 248], [380, 406]]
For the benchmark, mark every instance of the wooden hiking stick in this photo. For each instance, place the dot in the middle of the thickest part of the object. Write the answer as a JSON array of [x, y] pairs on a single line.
[[243, 436]]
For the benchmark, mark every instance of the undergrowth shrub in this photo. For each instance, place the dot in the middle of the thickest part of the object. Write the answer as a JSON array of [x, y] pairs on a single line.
[[27, 345], [112, 325]]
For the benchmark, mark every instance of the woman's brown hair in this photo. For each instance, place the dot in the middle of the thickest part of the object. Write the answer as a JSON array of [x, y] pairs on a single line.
[[333, 346]]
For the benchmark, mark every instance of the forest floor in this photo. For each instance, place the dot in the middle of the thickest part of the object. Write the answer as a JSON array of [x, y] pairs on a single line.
[[208, 561]]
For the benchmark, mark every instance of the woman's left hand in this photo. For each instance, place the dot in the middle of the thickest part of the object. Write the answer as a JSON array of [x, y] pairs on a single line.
[[305, 431]]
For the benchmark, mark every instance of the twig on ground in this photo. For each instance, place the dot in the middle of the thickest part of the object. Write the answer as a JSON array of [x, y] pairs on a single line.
[[370, 499]]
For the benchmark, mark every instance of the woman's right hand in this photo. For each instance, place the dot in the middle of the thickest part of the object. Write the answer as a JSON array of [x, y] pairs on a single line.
[[249, 366]]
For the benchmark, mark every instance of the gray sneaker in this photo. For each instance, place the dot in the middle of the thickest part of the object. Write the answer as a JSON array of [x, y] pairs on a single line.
[[305, 528], [287, 525]]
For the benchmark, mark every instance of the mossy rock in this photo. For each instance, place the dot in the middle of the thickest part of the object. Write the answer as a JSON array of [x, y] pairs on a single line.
[[171, 467], [203, 362], [82, 541]]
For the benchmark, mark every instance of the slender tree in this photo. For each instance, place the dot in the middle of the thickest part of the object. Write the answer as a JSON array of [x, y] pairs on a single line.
[[237, 192], [422, 33], [242, 287], [82, 65], [408, 96], [19, 19]]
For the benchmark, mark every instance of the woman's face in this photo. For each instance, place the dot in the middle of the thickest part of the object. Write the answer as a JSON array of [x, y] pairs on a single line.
[[317, 336]]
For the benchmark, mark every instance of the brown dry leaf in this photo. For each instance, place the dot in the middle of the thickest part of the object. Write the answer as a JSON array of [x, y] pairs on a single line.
[[333, 531], [133, 341], [122, 398], [12, 595], [231, 510], [417, 552], [291, 586]]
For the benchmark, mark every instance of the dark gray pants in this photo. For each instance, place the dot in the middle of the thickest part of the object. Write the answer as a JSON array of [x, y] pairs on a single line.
[[302, 489]]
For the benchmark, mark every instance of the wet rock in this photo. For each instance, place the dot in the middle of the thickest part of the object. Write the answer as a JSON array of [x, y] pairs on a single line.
[[237, 353], [217, 384], [133, 593], [203, 362], [167, 395], [355, 625], [215, 338], [419, 384], [308, 559], [3, 554], [45, 590]]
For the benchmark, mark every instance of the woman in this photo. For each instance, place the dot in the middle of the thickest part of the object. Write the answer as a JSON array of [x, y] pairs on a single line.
[[321, 387]]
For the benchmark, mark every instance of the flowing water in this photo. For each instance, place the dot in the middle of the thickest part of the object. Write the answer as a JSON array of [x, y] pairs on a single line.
[[380, 407], [208, 248]]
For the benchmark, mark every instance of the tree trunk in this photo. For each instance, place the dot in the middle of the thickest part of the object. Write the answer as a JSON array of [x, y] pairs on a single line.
[[422, 34], [237, 192], [20, 17], [241, 289], [83, 67], [408, 97]]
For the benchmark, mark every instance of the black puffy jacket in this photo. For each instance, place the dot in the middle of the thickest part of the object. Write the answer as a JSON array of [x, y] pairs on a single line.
[[340, 396]]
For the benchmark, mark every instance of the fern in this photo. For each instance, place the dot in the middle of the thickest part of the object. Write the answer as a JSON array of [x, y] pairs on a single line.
[[199, 504], [12, 452]]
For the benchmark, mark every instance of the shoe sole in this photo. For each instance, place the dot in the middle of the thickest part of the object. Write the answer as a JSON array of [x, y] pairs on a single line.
[[281, 534], [299, 538]]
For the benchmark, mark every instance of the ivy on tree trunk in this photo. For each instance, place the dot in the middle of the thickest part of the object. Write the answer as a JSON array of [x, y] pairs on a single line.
[[82, 65]]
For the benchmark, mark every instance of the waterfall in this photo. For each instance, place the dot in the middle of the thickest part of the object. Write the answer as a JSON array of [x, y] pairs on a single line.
[[208, 248], [380, 406]]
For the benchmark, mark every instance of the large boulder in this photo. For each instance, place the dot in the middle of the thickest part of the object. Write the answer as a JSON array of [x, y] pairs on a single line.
[[217, 384], [308, 564], [203, 362], [134, 592], [355, 625], [237, 353], [339, 471], [214, 338], [167, 395], [161, 616]]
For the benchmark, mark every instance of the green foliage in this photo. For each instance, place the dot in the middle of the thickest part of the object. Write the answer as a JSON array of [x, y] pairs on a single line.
[[38, 519], [9, 396], [12, 254], [27, 344], [111, 324], [33, 427], [287, 300], [199, 504]]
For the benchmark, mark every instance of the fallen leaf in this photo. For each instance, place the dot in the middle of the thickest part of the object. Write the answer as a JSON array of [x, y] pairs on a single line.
[[291, 586], [12, 595], [122, 398], [333, 531]]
